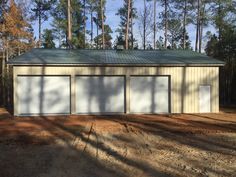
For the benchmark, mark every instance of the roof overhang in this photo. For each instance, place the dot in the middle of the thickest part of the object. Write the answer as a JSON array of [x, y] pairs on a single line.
[[117, 65], [111, 58]]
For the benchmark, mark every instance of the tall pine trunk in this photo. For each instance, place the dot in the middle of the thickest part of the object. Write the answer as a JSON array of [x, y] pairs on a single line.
[[69, 35], [6, 73], [97, 30], [3, 83], [220, 24], [84, 21], [40, 26], [1, 60], [166, 23], [200, 36], [154, 24], [127, 27], [3, 78], [131, 24], [144, 25], [184, 24], [201, 26], [198, 23], [1, 87], [91, 34], [60, 36], [102, 18]]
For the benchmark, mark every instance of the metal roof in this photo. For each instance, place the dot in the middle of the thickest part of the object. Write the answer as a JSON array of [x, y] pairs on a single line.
[[113, 57]]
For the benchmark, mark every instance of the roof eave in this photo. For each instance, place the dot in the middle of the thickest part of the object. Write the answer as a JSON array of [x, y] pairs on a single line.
[[120, 65]]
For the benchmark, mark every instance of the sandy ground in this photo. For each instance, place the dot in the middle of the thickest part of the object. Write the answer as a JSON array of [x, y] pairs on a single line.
[[125, 146]]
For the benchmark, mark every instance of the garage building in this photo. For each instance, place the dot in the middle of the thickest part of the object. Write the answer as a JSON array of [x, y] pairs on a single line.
[[57, 81]]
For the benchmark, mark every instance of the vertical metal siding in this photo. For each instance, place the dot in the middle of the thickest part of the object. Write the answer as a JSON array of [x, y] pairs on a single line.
[[185, 81]]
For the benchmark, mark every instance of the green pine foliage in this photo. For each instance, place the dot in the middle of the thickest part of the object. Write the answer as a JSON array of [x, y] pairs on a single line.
[[108, 38], [122, 13], [40, 12], [48, 38], [224, 48], [59, 14]]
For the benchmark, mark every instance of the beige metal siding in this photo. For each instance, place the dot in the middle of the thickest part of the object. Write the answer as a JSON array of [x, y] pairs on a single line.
[[185, 82]]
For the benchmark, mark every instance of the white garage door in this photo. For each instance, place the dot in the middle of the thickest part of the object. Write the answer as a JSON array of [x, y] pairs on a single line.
[[99, 94], [149, 94], [43, 95]]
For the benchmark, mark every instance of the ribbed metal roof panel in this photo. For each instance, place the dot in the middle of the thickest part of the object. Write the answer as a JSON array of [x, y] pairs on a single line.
[[113, 57]]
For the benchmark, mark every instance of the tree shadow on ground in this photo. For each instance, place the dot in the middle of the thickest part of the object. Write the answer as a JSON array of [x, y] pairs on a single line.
[[78, 146], [84, 137], [51, 160], [166, 129], [25, 155], [176, 132]]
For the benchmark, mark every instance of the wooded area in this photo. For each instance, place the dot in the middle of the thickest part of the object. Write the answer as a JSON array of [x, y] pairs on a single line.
[[162, 24]]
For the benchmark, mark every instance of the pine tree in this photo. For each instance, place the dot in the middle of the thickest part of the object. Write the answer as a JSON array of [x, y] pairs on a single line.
[[84, 20], [97, 18], [224, 48], [107, 38], [59, 34], [123, 13], [127, 25], [175, 35], [92, 7], [102, 10], [165, 15], [175, 30], [48, 38], [165, 4], [197, 24], [69, 24], [40, 12], [184, 9], [222, 11], [154, 23], [60, 21]]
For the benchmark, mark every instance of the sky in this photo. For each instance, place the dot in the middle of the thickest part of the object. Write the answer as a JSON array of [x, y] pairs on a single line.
[[113, 20]]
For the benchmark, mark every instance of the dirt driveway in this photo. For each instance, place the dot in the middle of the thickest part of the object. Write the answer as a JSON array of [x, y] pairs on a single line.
[[111, 146]]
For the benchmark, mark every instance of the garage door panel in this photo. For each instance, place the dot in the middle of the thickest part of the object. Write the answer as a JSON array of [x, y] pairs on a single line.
[[99, 94], [149, 94], [43, 94]]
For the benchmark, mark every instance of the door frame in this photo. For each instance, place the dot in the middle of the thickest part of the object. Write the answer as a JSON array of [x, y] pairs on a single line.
[[101, 75], [199, 98], [16, 100], [169, 91]]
